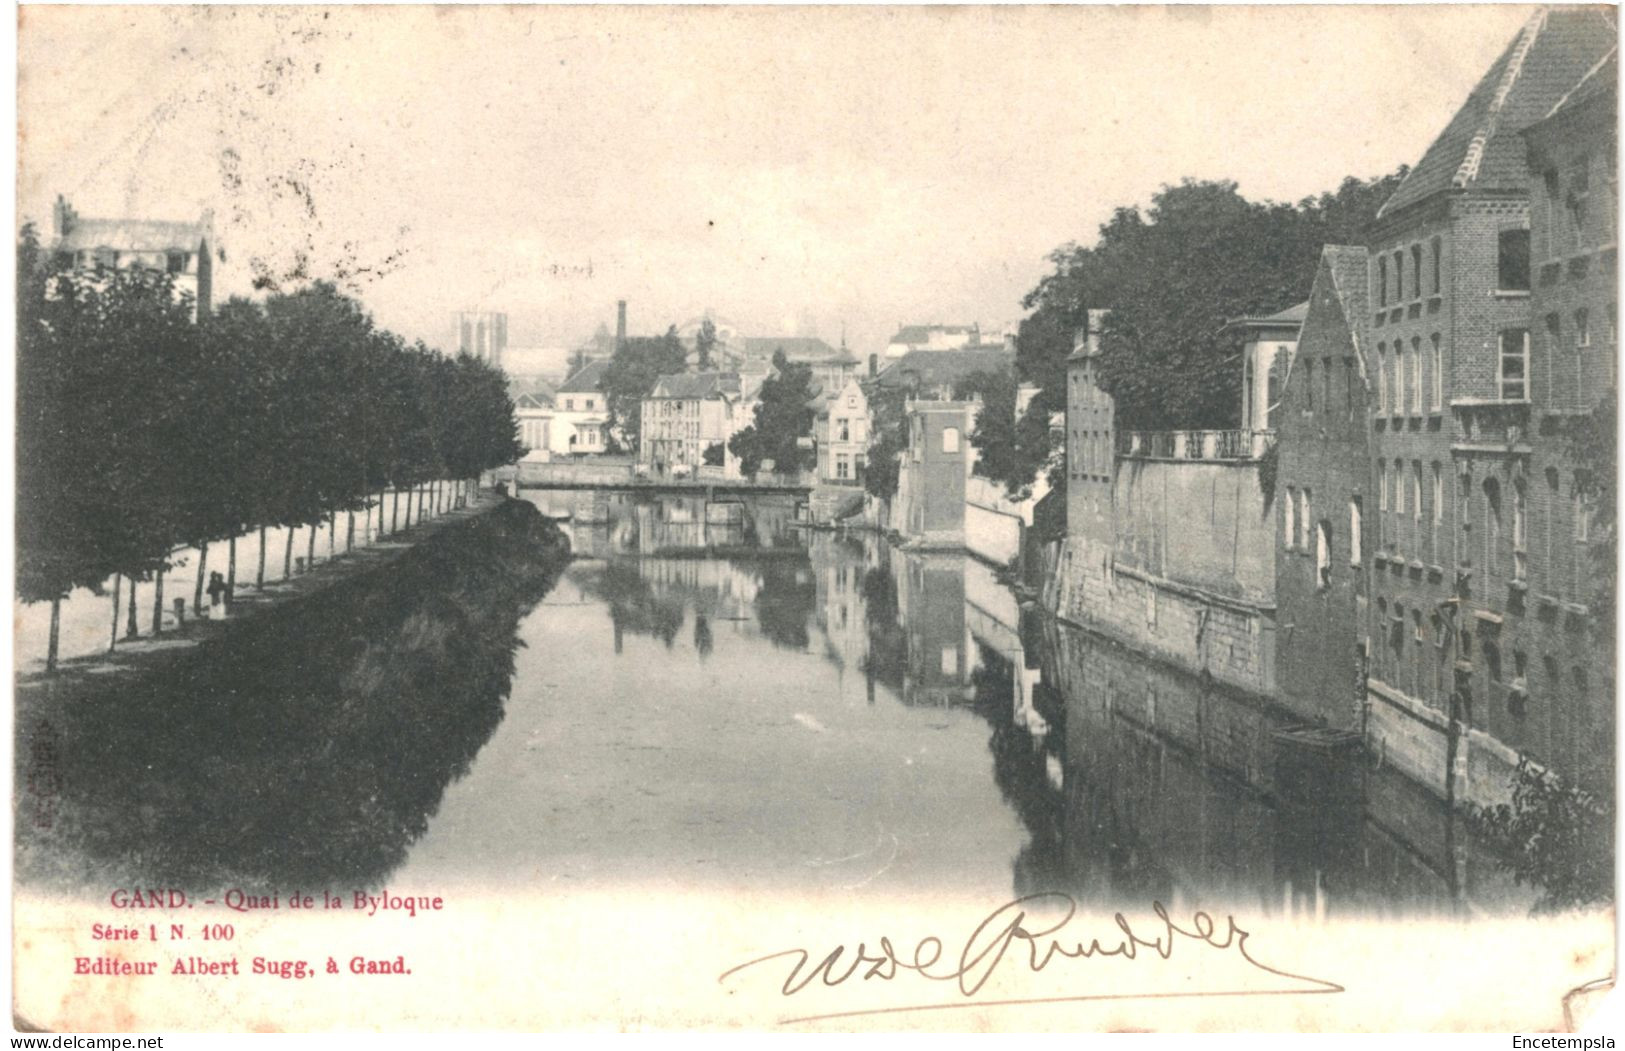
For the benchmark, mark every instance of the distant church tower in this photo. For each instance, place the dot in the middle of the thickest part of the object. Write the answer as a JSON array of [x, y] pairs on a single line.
[[482, 334]]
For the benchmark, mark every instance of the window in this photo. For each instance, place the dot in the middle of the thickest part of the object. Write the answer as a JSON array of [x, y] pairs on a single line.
[[1512, 375], [1326, 382], [1492, 660], [1438, 514], [176, 262], [1416, 492], [1399, 277], [846, 430], [1399, 487], [1397, 384], [1348, 385], [1416, 271], [1309, 383], [1323, 554], [1305, 517], [1354, 530], [1438, 247], [1382, 281], [1582, 327], [1436, 367], [1382, 377], [1553, 217], [1492, 524], [950, 439], [1416, 375], [1291, 517], [1382, 485], [569, 403], [842, 467], [1583, 508], [1520, 533], [1512, 261], [1575, 202]]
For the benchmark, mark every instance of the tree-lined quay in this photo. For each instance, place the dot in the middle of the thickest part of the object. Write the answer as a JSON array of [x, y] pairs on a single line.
[[141, 432]]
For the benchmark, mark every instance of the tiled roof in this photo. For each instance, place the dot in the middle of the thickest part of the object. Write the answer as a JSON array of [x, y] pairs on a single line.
[[531, 401], [1480, 149], [696, 385], [1604, 76], [796, 348], [1346, 267], [132, 235], [1292, 315], [912, 334], [929, 369], [586, 378]]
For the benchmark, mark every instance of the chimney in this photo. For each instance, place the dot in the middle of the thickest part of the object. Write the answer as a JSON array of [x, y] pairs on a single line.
[[62, 217], [620, 322]]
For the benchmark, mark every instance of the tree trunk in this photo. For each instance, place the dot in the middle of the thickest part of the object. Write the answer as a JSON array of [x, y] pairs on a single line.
[[158, 603], [310, 549], [231, 563], [131, 628], [332, 534], [259, 581], [118, 582], [56, 630], [197, 591], [394, 512], [349, 534], [287, 554]]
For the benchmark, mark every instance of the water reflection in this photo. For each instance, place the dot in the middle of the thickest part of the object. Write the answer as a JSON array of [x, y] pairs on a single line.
[[313, 755], [1131, 781]]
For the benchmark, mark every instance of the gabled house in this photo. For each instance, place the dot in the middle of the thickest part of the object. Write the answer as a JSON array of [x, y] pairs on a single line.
[[842, 434], [581, 413], [183, 250]]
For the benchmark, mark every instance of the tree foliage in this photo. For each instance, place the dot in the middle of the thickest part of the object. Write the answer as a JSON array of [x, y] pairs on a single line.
[[1170, 275], [705, 342], [783, 417], [1558, 837], [631, 374], [140, 431], [888, 439]]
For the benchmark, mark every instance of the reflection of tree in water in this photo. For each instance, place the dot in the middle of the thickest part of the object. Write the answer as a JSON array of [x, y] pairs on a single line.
[[635, 605], [703, 640], [887, 659], [315, 750], [1018, 769], [785, 600]]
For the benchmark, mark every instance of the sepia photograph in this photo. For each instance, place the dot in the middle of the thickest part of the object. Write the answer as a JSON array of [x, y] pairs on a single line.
[[814, 519]]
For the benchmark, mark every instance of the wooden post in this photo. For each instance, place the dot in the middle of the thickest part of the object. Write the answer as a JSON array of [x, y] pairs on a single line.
[[158, 603], [132, 629], [56, 629], [197, 592], [112, 643]]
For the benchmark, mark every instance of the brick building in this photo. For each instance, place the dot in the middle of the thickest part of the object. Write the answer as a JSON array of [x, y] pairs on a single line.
[[1321, 495], [1455, 636]]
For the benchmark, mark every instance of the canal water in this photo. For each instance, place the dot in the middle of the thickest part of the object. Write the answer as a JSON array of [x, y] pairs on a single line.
[[712, 697]]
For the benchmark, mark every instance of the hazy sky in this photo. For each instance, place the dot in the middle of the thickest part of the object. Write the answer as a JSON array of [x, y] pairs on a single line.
[[859, 165]]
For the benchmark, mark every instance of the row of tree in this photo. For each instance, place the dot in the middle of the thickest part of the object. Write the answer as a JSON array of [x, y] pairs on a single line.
[[141, 432]]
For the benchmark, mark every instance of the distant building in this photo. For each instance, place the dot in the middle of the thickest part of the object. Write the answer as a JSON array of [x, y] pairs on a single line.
[[581, 413], [687, 413], [1266, 345], [831, 367], [931, 337], [535, 416], [1090, 453], [482, 334], [931, 475], [183, 250], [842, 434], [933, 374]]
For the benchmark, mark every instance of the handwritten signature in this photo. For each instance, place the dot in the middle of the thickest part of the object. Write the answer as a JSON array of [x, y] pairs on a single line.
[[1003, 934]]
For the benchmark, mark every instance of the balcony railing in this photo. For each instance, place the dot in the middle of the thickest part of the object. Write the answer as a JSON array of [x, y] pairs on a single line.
[[1194, 445]]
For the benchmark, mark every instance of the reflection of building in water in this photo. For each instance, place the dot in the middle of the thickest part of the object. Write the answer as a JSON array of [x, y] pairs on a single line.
[[1173, 791], [840, 563], [931, 604]]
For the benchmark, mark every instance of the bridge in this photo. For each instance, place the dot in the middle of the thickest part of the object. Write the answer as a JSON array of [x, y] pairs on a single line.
[[622, 475]]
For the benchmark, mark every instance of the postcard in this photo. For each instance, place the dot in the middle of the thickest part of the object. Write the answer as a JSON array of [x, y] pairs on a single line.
[[794, 519]]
